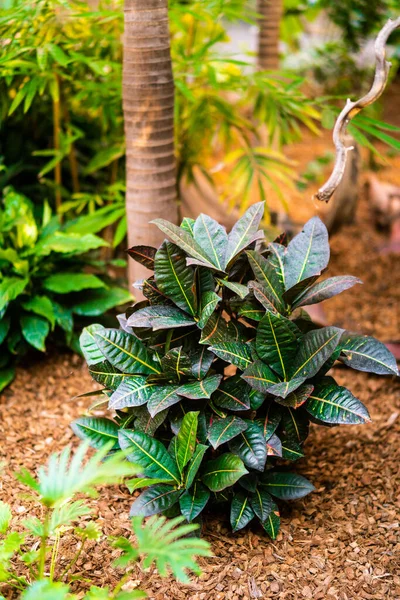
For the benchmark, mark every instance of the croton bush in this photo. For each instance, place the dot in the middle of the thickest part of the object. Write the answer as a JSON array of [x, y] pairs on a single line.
[[214, 378]]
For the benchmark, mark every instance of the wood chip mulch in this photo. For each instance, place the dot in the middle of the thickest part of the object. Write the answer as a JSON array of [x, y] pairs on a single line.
[[340, 543]]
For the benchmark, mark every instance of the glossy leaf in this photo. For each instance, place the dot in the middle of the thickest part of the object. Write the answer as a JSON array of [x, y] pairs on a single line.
[[174, 278], [236, 353], [365, 353], [250, 446], [267, 276], [298, 397], [194, 500], [149, 454], [186, 439], [238, 288], [209, 302], [274, 446], [88, 344], [271, 420], [295, 424], [133, 391], [142, 482], [233, 394], [223, 430], [194, 464], [154, 500], [11, 288], [315, 348], [286, 486], [160, 317], [273, 522], [184, 240], [284, 388], [245, 231], [35, 330], [163, 397], [42, 306], [125, 352], [223, 472], [177, 363], [260, 376], [291, 450], [146, 423], [98, 431], [276, 342], [201, 360], [307, 254], [65, 283], [325, 289], [96, 302], [144, 255], [333, 403], [213, 239], [262, 504], [197, 390], [241, 511], [251, 310], [263, 298], [107, 375]]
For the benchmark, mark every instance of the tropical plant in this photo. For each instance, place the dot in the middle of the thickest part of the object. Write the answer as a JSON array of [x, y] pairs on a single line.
[[49, 275], [214, 378], [30, 555]]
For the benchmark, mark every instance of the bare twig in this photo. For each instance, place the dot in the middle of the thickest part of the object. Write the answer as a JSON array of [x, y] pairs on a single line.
[[382, 67]]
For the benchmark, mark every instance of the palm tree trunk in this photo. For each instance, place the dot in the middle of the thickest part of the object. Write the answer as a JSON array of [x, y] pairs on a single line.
[[268, 38], [148, 102]]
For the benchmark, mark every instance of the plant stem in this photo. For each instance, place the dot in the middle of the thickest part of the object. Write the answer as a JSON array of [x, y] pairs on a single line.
[[74, 560], [168, 340], [73, 163], [56, 143], [43, 543], [54, 555], [122, 582]]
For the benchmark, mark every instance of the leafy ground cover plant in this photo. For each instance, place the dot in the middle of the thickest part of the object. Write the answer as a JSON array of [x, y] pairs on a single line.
[[215, 377], [47, 278], [29, 559]]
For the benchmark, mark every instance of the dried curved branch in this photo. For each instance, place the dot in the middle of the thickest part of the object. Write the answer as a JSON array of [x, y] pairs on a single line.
[[382, 67]]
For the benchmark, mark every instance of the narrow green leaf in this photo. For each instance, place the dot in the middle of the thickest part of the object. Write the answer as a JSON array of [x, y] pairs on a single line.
[[209, 301], [276, 342], [141, 482], [245, 231], [194, 464], [241, 511], [296, 424], [174, 278], [98, 431], [149, 454], [238, 288], [213, 239], [223, 472], [324, 290], [160, 317], [176, 363], [273, 522], [235, 353], [233, 394], [186, 439], [267, 276], [308, 253], [315, 348], [262, 504], [287, 486], [223, 430]]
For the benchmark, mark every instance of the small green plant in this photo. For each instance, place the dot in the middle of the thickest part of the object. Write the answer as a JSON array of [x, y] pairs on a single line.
[[48, 276], [29, 559], [216, 375]]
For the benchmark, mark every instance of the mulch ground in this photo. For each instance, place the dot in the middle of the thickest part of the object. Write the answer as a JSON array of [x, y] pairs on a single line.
[[342, 542]]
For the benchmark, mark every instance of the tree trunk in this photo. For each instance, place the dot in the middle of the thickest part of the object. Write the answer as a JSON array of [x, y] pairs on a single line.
[[268, 37], [148, 102]]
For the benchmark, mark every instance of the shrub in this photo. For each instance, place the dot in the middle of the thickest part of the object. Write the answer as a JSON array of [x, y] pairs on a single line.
[[216, 375], [30, 559], [43, 279]]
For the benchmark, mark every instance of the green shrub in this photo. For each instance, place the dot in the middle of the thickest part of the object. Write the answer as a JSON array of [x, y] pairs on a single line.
[[47, 278], [215, 377], [30, 559]]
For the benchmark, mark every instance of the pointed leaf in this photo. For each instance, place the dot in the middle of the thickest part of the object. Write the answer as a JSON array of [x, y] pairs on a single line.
[[146, 423], [276, 342], [291, 450], [223, 430], [365, 353], [250, 446], [107, 375], [187, 224], [261, 294], [186, 439], [262, 504], [155, 499], [238, 288], [144, 255], [251, 310], [298, 397], [260, 376], [333, 403], [297, 290], [236, 353], [315, 348], [174, 278], [274, 446], [285, 388], [287, 486], [160, 317], [273, 522], [89, 346], [176, 362], [223, 472], [98, 431], [163, 397], [35, 330], [133, 391], [267, 276], [241, 511], [194, 500], [149, 454], [308, 253], [194, 464], [197, 390], [201, 360], [184, 240], [271, 420], [209, 301], [212, 238], [141, 482], [296, 424], [325, 289], [125, 352], [245, 231], [233, 394]]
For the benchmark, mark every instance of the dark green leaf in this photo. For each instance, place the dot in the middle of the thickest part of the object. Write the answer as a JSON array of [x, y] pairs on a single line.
[[233, 394], [238, 288], [212, 238], [333, 403], [287, 486], [262, 504], [155, 499], [297, 290], [149, 454], [201, 360], [177, 363], [7, 375], [42, 306], [194, 464], [365, 353], [98, 431], [260, 376], [245, 231], [147, 424], [307, 254], [186, 439], [241, 511], [250, 446], [256, 399], [107, 375], [35, 330], [276, 342], [315, 348], [174, 278], [295, 424], [267, 276], [273, 522], [133, 391], [184, 240], [271, 420], [5, 323], [209, 301], [160, 317], [298, 397], [223, 472], [197, 390], [263, 298], [251, 310], [325, 289], [89, 346], [236, 353], [285, 388], [193, 501], [291, 450], [223, 430], [163, 397], [144, 255], [125, 352]]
